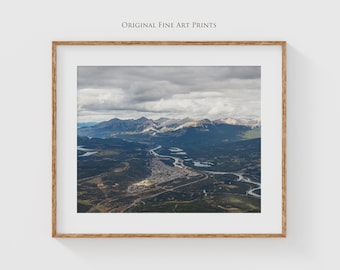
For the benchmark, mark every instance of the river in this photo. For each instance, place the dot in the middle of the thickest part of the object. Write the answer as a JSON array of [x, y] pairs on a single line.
[[177, 161], [241, 178], [88, 152]]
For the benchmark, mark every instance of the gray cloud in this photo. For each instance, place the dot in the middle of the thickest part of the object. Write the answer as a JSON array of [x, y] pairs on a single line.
[[198, 92]]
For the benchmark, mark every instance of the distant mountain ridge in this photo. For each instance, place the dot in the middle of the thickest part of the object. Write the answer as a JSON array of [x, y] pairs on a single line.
[[163, 126], [255, 122]]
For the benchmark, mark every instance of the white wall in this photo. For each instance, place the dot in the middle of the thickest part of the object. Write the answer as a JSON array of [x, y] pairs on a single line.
[[311, 30]]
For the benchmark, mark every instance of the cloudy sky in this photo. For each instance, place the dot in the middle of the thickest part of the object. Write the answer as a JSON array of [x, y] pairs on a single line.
[[212, 92]]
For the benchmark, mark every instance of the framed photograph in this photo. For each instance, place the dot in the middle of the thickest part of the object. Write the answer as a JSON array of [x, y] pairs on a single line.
[[169, 139]]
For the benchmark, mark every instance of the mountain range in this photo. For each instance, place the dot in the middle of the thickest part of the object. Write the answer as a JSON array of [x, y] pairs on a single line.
[[143, 125], [144, 129]]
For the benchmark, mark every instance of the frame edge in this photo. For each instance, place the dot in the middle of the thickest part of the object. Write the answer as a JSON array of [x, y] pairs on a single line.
[[54, 139], [55, 234], [284, 138]]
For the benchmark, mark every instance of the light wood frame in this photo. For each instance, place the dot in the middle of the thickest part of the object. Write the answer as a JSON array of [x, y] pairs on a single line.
[[55, 233]]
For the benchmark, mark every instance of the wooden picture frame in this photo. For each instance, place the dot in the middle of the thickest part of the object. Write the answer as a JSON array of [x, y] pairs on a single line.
[[270, 56]]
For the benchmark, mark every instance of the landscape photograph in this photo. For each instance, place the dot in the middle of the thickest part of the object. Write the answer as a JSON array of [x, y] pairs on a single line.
[[168, 139]]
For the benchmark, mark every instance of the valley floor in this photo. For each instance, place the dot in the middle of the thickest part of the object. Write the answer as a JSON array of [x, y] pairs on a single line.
[[170, 186]]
